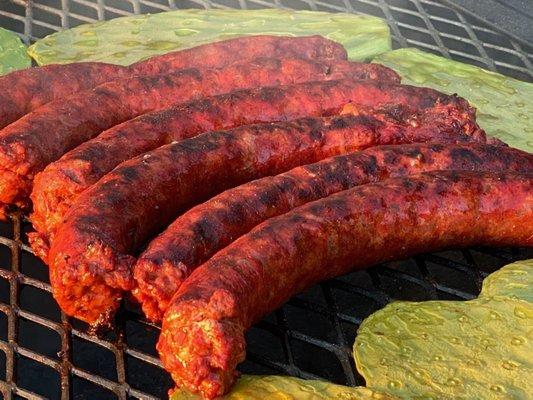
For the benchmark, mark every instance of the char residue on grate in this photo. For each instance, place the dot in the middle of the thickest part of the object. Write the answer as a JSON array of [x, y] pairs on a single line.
[[44, 354]]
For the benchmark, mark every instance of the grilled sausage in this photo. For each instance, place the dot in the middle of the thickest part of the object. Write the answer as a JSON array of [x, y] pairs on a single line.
[[202, 338], [26, 90], [205, 229], [229, 51], [90, 257], [28, 145], [62, 182]]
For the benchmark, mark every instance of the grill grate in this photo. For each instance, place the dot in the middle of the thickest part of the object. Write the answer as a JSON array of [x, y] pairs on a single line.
[[44, 354]]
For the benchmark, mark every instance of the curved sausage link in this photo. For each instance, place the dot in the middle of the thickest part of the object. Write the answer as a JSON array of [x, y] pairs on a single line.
[[202, 338], [92, 249], [57, 188], [26, 90], [225, 52], [207, 228], [43, 136]]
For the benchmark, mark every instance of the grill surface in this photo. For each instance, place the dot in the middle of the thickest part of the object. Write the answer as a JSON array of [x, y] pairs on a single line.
[[45, 354]]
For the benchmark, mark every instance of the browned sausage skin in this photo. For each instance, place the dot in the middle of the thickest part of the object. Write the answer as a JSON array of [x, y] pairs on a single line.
[[90, 255], [225, 52], [43, 136], [202, 338], [29, 144], [63, 181], [26, 90], [207, 228], [55, 187]]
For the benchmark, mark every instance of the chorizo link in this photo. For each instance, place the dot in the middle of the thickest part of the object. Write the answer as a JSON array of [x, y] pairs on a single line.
[[205, 229], [26, 90], [202, 338], [225, 52], [91, 257], [58, 186], [43, 136]]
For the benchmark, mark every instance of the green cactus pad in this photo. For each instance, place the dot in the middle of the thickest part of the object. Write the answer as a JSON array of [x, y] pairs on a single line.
[[13, 54], [129, 39], [478, 349], [287, 388]]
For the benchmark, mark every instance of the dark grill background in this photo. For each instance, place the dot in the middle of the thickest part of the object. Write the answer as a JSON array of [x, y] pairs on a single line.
[[45, 354]]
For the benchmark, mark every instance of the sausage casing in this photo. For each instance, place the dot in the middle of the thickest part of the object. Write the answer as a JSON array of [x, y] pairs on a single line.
[[202, 338], [26, 90], [43, 136], [57, 188], [209, 227], [91, 254]]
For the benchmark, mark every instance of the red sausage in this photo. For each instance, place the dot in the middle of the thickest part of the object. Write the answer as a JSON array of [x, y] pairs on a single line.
[[202, 338], [90, 257], [56, 189], [43, 136], [229, 51], [207, 228], [26, 90]]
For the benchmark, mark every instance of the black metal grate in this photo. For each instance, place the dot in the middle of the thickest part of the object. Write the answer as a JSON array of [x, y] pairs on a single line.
[[44, 354]]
